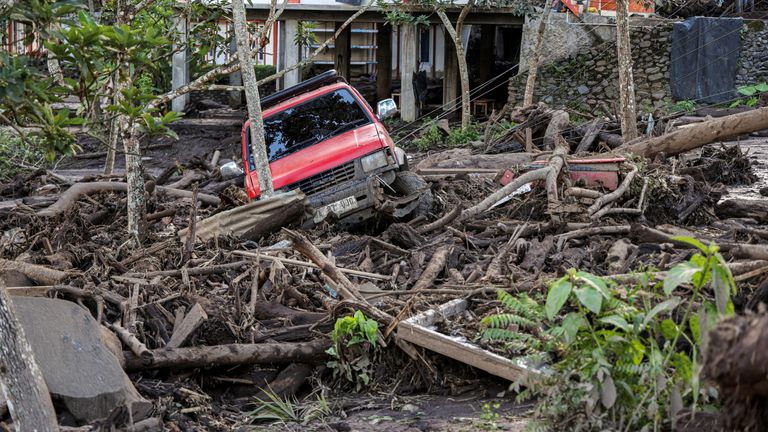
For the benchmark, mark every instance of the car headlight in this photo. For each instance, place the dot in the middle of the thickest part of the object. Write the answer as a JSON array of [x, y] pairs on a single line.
[[374, 161]]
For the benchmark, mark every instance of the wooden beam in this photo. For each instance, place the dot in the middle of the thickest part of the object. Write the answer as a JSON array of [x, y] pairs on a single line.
[[415, 330]]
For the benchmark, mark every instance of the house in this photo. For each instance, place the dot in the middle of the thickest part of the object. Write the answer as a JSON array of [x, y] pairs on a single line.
[[380, 59]]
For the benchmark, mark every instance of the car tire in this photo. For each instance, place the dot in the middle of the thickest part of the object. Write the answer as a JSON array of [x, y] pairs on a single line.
[[406, 183]]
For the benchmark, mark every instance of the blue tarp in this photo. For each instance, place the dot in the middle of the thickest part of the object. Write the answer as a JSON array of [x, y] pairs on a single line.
[[705, 55]]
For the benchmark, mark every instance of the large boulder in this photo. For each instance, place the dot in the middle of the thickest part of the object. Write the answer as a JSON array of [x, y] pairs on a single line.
[[78, 368]]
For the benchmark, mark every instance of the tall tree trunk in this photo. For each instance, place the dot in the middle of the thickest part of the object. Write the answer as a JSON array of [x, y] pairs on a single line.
[[626, 81], [533, 65], [114, 131], [462, 58], [21, 381], [258, 143], [134, 177]]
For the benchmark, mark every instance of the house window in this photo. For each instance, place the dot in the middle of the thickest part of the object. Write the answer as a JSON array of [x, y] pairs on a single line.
[[424, 45]]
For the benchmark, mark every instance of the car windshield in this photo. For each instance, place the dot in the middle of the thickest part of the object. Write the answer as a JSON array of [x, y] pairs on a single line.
[[310, 122]]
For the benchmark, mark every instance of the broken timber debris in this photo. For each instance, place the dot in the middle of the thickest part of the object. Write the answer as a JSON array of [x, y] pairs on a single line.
[[251, 221], [417, 331]]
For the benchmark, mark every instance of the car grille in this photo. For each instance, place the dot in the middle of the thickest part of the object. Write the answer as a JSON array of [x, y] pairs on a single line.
[[326, 179]]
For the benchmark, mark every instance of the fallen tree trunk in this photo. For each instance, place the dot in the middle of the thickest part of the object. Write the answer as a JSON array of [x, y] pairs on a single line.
[[741, 208], [462, 158], [68, 199], [40, 274], [700, 134], [433, 269], [231, 355], [591, 132], [750, 251]]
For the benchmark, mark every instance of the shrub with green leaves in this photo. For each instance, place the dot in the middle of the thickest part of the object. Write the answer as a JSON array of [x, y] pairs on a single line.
[[751, 95], [16, 154], [629, 354], [431, 137], [354, 339], [459, 138], [684, 105]]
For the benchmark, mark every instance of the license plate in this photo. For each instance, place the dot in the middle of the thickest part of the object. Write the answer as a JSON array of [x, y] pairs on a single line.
[[338, 208]]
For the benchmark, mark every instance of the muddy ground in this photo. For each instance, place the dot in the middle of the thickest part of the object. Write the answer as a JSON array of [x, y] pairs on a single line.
[[434, 394]]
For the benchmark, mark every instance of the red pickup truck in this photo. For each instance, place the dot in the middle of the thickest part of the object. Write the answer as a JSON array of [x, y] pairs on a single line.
[[323, 138]]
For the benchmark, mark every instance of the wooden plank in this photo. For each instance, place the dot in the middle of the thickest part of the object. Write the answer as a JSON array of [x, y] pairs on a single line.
[[415, 331], [188, 325]]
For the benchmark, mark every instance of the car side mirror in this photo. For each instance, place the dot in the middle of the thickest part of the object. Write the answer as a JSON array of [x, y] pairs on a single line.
[[230, 170], [385, 108]]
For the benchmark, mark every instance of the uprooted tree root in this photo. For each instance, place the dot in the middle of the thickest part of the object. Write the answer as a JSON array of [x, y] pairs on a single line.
[[736, 360]]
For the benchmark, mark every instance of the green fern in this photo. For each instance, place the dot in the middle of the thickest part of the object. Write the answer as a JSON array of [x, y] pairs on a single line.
[[502, 334], [505, 320], [522, 305]]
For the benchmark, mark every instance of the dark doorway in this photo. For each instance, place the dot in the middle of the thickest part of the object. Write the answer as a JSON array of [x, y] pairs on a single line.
[[493, 53]]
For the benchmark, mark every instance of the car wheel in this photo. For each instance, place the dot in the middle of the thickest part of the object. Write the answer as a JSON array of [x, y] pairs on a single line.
[[407, 183]]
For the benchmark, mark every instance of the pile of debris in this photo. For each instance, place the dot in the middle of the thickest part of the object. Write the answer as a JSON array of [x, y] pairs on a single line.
[[220, 307]]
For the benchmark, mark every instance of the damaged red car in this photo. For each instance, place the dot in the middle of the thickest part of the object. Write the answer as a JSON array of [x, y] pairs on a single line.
[[324, 139]]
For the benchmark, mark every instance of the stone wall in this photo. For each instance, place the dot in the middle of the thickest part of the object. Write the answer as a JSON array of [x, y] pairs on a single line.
[[588, 80], [753, 57]]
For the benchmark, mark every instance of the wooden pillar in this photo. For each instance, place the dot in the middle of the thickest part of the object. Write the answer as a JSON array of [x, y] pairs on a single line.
[[384, 62], [408, 65], [450, 74], [343, 51]]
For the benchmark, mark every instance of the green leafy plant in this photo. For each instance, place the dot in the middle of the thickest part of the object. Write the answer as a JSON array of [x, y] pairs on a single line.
[[264, 71], [17, 155], [354, 340], [305, 34], [97, 50], [461, 137], [752, 93], [289, 410], [431, 137], [684, 105], [489, 416], [628, 356]]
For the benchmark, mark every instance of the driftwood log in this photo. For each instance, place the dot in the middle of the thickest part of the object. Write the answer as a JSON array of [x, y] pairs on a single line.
[[40, 274], [741, 208], [70, 197], [700, 134], [231, 355]]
